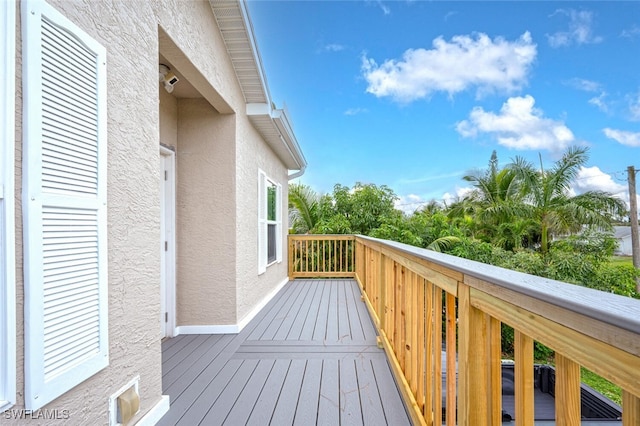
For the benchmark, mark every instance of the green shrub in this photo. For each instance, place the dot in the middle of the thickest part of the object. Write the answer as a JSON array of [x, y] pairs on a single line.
[[619, 279]]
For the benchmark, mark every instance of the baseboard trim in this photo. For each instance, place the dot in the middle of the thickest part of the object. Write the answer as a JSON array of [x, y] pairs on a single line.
[[256, 310], [207, 329], [231, 328], [155, 414]]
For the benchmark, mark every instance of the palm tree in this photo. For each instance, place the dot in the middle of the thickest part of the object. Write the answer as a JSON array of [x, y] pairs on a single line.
[[303, 208], [494, 186], [495, 201], [549, 203]]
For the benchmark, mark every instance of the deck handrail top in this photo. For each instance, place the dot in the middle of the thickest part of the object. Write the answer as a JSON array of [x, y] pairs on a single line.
[[619, 311]]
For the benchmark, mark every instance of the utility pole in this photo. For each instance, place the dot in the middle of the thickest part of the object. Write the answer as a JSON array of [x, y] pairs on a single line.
[[633, 217]]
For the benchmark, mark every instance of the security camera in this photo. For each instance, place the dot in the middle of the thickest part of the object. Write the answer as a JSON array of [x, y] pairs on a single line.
[[167, 78]]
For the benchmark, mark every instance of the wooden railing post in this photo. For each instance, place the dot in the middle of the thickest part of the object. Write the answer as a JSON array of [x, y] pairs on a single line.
[[523, 377], [390, 298], [428, 324], [473, 359], [567, 391], [630, 409], [437, 353], [451, 359], [290, 257], [382, 290], [495, 370]]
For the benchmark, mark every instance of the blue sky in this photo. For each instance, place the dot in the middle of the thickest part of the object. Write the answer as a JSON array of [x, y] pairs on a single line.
[[415, 94]]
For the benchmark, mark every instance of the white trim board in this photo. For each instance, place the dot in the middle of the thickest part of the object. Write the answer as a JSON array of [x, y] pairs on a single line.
[[154, 415], [168, 232], [256, 310], [231, 328], [207, 329]]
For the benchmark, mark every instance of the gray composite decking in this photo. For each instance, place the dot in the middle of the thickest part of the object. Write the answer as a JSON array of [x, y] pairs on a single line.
[[309, 357]]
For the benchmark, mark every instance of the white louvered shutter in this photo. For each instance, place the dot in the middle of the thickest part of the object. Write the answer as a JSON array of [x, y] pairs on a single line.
[[262, 222], [64, 204]]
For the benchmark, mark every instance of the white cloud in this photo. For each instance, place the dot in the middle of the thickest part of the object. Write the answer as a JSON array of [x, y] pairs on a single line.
[[580, 29], [594, 179], [632, 32], [430, 177], [592, 87], [623, 137], [585, 85], [518, 125], [385, 9], [334, 47], [634, 106], [409, 203], [355, 111], [452, 67], [459, 194], [600, 102], [450, 14]]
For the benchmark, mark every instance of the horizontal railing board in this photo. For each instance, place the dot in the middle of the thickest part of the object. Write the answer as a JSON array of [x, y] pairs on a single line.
[[590, 326], [622, 312]]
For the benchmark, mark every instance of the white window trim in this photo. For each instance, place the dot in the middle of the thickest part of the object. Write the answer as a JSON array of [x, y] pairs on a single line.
[[7, 206], [263, 223]]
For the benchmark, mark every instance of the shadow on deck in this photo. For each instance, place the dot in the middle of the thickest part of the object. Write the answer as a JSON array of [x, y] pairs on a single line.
[[309, 357]]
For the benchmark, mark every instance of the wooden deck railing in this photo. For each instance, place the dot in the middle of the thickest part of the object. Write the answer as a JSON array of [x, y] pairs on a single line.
[[322, 256], [420, 299]]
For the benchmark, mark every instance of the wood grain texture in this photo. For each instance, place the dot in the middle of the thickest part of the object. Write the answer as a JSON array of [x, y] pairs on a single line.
[[630, 409], [523, 351], [567, 391], [614, 364]]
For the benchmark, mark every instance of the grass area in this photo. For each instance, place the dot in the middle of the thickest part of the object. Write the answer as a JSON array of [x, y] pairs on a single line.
[[601, 385], [621, 260]]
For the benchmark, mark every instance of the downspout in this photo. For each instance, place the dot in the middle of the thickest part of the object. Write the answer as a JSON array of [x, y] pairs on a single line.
[[298, 173]]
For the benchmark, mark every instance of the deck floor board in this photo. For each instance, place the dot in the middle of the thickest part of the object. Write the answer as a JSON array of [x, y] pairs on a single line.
[[309, 357]]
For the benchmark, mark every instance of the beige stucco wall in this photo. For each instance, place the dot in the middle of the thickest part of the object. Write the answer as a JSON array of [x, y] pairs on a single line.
[[133, 214], [218, 157], [217, 272], [168, 119], [205, 213], [254, 154]]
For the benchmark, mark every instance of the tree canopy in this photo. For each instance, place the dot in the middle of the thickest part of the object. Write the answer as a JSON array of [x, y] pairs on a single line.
[[519, 216]]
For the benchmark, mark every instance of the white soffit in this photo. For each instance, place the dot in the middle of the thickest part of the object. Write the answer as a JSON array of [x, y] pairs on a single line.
[[237, 33], [273, 124]]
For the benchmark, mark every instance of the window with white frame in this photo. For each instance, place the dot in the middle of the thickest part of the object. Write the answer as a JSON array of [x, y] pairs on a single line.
[[7, 203], [269, 222]]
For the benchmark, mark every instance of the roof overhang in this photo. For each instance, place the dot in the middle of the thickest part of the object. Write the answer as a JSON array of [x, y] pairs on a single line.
[[272, 124], [275, 127]]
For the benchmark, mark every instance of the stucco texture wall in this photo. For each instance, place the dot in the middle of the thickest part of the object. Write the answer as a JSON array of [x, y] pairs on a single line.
[[133, 213], [253, 154], [205, 213], [168, 119]]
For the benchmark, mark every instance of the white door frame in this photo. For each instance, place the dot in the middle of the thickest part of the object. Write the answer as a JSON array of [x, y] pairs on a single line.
[[167, 242]]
